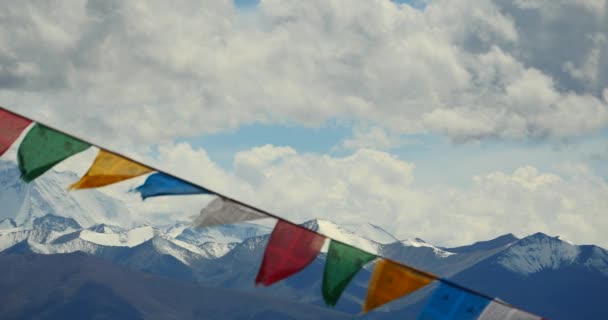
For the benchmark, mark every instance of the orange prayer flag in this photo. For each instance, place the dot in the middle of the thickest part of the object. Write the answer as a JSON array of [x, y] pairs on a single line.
[[109, 168], [391, 281]]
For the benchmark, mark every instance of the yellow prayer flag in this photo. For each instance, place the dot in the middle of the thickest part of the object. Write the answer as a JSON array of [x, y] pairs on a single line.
[[391, 281], [109, 168]]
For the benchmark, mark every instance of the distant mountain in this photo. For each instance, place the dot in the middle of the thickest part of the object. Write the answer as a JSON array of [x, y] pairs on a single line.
[[77, 286], [546, 275], [543, 274], [564, 276]]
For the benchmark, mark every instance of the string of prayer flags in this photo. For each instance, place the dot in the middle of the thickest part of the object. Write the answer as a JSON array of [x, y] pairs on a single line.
[[109, 168], [11, 126], [343, 263], [223, 211], [290, 249], [449, 302], [43, 148], [391, 281], [499, 311], [160, 184]]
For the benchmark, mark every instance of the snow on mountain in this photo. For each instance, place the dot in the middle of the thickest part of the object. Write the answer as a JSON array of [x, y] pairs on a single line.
[[371, 232], [22, 202], [418, 243], [41, 230], [7, 223], [347, 236], [537, 252], [217, 250], [52, 234], [223, 234], [128, 238]]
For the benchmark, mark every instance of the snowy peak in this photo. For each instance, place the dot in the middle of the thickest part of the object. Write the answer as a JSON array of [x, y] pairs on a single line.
[[345, 235], [48, 194], [104, 228], [538, 252], [55, 223], [128, 238], [419, 243], [367, 230], [7, 223], [503, 241], [223, 234]]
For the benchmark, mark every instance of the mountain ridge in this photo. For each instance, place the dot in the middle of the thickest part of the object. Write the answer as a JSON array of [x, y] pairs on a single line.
[[229, 256]]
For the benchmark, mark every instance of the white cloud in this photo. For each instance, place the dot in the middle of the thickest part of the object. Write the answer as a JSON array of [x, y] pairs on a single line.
[[150, 72], [377, 187]]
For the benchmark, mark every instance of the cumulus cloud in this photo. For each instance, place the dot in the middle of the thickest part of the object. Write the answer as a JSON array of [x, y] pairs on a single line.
[[375, 186], [150, 72]]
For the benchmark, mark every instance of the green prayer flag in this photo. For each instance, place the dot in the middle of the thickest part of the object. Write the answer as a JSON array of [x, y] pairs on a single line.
[[343, 263], [43, 148]]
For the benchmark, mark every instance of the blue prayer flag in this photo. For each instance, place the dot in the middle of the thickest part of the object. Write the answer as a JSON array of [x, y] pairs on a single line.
[[449, 302], [160, 184]]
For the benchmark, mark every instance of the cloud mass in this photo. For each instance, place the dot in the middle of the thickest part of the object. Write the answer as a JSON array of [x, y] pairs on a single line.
[[377, 187], [467, 69]]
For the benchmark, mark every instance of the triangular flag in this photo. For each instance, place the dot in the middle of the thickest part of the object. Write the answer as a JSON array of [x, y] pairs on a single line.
[[223, 211], [109, 168], [290, 249], [343, 263], [160, 184], [43, 148], [391, 281], [499, 311], [449, 302], [11, 126]]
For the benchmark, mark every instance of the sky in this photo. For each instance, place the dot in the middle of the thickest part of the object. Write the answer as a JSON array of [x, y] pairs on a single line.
[[452, 121]]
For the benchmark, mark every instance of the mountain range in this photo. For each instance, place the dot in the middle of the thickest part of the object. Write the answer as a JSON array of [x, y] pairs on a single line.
[[62, 251]]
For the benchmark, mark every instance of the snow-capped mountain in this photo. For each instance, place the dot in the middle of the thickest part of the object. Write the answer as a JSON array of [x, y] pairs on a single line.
[[540, 273], [342, 233], [545, 275], [22, 202]]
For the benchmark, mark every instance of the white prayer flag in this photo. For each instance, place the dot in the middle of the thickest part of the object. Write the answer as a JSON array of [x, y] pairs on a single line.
[[498, 311], [222, 211]]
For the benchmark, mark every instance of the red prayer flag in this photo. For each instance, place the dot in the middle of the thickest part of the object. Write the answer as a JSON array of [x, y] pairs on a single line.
[[290, 249], [11, 126]]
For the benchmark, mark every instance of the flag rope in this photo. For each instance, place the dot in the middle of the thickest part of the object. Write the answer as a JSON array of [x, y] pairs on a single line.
[[269, 214]]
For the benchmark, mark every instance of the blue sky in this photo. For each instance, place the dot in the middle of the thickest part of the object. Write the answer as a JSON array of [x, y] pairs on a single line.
[[437, 158]]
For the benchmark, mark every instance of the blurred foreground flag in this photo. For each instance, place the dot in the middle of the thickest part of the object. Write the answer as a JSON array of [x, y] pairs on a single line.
[[109, 168], [223, 211], [449, 302], [343, 263], [499, 311], [11, 126], [391, 281], [160, 184], [43, 148], [290, 249]]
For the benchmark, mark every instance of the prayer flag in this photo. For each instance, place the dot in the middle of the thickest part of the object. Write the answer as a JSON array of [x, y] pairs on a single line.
[[223, 211], [11, 126], [43, 148], [391, 281], [449, 302], [109, 168], [499, 311], [160, 184], [343, 263], [290, 249]]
